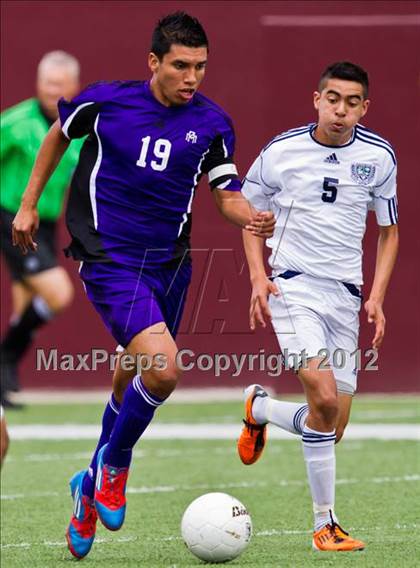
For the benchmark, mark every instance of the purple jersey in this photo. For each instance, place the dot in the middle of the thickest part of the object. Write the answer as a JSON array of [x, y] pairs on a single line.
[[131, 194]]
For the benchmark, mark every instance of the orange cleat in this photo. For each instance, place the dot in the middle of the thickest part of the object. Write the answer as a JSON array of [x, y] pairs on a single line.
[[334, 539], [253, 436]]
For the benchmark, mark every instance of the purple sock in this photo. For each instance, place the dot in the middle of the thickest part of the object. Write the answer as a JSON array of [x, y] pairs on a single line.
[[136, 413], [108, 420]]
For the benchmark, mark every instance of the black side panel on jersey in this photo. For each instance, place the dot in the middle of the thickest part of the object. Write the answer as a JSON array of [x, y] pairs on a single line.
[[215, 158], [84, 121], [86, 243], [182, 245]]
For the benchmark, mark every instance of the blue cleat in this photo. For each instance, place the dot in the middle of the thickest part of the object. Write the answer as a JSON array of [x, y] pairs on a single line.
[[110, 502], [82, 528]]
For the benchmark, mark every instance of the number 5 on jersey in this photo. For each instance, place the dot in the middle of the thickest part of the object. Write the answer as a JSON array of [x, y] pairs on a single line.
[[161, 150], [330, 190]]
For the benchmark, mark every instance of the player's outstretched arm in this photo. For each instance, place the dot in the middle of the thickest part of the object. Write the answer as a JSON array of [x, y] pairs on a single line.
[[262, 287], [385, 260], [26, 221], [236, 209]]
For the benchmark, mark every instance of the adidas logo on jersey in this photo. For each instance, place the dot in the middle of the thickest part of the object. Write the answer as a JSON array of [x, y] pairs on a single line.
[[332, 159]]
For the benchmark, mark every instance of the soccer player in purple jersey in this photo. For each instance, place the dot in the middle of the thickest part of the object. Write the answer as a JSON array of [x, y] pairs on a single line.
[[129, 215]]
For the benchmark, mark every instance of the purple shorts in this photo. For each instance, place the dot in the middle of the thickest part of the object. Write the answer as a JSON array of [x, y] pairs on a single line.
[[130, 300]]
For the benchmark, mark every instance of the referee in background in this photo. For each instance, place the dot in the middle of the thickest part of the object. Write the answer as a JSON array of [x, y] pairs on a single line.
[[40, 288]]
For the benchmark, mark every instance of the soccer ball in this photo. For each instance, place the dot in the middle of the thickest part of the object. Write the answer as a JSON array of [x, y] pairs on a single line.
[[216, 527]]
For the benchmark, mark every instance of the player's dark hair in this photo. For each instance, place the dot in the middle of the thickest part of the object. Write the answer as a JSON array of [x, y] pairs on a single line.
[[177, 28], [348, 72]]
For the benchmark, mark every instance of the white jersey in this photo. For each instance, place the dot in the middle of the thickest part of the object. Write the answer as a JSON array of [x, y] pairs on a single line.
[[320, 196]]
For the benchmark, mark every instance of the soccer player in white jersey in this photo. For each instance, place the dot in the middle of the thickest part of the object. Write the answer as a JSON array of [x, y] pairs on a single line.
[[320, 181]]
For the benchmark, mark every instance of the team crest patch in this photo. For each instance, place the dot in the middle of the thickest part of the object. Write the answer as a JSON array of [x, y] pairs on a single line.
[[362, 173]]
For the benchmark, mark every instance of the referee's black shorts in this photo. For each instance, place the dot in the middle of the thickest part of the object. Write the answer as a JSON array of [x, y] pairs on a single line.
[[21, 265]]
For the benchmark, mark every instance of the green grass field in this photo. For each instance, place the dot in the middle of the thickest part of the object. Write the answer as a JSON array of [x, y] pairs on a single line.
[[377, 493]]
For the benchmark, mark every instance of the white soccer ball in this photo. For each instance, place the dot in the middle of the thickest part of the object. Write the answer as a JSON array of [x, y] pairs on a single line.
[[216, 527]]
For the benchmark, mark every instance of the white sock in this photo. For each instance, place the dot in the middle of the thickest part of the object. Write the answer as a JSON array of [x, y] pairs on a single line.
[[319, 454], [290, 416]]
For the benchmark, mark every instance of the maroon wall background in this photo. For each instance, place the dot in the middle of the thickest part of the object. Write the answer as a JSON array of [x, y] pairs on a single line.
[[264, 77]]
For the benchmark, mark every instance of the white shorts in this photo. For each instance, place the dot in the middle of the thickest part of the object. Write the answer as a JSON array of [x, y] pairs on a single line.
[[319, 317]]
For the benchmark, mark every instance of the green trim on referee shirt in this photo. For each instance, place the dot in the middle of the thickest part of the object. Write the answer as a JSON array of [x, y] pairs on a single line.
[[23, 128]]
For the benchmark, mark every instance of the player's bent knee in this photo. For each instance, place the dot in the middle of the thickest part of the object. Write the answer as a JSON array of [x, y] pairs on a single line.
[[62, 298], [54, 287], [327, 406], [166, 380], [171, 375]]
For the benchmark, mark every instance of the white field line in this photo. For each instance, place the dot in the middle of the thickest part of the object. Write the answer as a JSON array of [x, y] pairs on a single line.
[[209, 431], [380, 414], [165, 453], [221, 486], [341, 20], [264, 533]]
